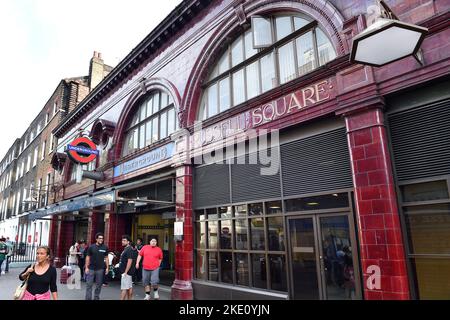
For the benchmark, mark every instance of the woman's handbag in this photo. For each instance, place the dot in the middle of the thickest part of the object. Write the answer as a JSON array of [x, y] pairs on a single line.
[[20, 290]]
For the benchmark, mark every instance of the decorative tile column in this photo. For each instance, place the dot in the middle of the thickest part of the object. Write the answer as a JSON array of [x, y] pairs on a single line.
[[64, 241], [184, 263], [380, 236], [115, 226], [53, 234], [92, 227]]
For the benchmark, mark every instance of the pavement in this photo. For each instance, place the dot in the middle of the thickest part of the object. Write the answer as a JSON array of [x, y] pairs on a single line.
[[9, 282]]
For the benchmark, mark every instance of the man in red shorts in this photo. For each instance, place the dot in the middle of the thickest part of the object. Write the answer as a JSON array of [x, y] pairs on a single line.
[[152, 256]]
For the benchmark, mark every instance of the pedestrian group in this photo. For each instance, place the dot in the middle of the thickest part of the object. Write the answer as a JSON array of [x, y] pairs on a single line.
[[92, 264]]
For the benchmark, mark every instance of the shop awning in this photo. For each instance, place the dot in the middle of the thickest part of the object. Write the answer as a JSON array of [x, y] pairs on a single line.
[[83, 202]]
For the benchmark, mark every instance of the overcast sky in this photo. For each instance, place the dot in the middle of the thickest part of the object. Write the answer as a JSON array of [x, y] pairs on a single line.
[[44, 41]]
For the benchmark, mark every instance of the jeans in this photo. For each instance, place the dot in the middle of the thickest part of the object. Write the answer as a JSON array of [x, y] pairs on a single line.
[[96, 275], [7, 264], [1, 262]]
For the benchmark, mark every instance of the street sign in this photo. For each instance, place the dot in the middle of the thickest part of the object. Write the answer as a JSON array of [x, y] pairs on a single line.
[[82, 150]]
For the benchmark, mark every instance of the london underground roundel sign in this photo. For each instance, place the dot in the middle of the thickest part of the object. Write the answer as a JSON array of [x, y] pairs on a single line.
[[82, 150]]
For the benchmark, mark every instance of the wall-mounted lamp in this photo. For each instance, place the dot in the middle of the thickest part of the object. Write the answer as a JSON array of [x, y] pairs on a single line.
[[387, 40]]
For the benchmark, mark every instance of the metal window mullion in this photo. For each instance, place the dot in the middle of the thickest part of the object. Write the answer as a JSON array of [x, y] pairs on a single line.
[[294, 48], [158, 116], [219, 265], [316, 53], [206, 105], [277, 66], [218, 97], [244, 71], [266, 245], [259, 76], [231, 91]]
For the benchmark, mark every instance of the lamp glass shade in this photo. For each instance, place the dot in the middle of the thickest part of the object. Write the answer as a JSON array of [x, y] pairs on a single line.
[[386, 41]]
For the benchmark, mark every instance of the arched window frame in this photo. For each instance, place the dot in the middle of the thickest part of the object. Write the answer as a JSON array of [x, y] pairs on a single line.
[[146, 117], [218, 81]]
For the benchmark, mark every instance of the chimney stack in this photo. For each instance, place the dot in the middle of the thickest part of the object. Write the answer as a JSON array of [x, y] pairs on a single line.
[[96, 70]]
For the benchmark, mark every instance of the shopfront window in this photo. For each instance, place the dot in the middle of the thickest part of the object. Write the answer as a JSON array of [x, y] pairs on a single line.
[[257, 232], [240, 228], [272, 52], [426, 216], [329, 201], [277, 267], [240, 240], [201, 266], [259, 271], [212, 234], [225, 234], [242, 275], [428, 191], [276, 235], [154, 119], [213, 269], [201, 235], [226, 267]]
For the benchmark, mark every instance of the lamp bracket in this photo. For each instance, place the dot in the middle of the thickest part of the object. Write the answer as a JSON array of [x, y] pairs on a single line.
[[386, 12], [419, 57]]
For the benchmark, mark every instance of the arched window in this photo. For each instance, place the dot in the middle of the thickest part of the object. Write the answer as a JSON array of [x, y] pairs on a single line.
[[154, 119], [275, 50]]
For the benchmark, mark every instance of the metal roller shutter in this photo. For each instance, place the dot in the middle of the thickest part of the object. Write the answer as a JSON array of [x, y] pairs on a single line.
[[211, 185], [317, 163], [420, 140], [248, 184]]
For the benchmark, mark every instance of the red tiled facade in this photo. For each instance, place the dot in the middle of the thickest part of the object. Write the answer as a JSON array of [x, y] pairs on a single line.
[[378, 220], [357, 95], [184, 264]]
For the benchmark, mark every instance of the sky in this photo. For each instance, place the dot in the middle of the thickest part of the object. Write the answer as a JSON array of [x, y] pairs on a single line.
[[44, 41]]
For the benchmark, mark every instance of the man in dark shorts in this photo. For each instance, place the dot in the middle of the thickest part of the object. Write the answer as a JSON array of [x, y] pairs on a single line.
[[127, 268], [152, 256], [96, 260]]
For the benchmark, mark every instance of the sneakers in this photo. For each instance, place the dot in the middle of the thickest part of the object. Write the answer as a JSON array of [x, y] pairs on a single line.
[[156, 295], [147, 297], [3, 272]]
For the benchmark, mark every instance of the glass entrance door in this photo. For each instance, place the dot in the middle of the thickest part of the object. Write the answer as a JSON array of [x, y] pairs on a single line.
[[304, 255], [322, 253]]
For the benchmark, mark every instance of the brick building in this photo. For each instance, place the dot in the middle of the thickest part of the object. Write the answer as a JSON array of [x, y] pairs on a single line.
[[28, 175], [358, 204]]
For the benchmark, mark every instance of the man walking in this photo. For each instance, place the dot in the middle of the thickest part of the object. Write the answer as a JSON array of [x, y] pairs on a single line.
[[10, 246], [127, 268], [82, 258], [3, 253], [138, 274], [96, 261], [152, 256]]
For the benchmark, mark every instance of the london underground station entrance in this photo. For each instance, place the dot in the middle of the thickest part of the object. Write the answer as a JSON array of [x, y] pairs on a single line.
[[151, 211]]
